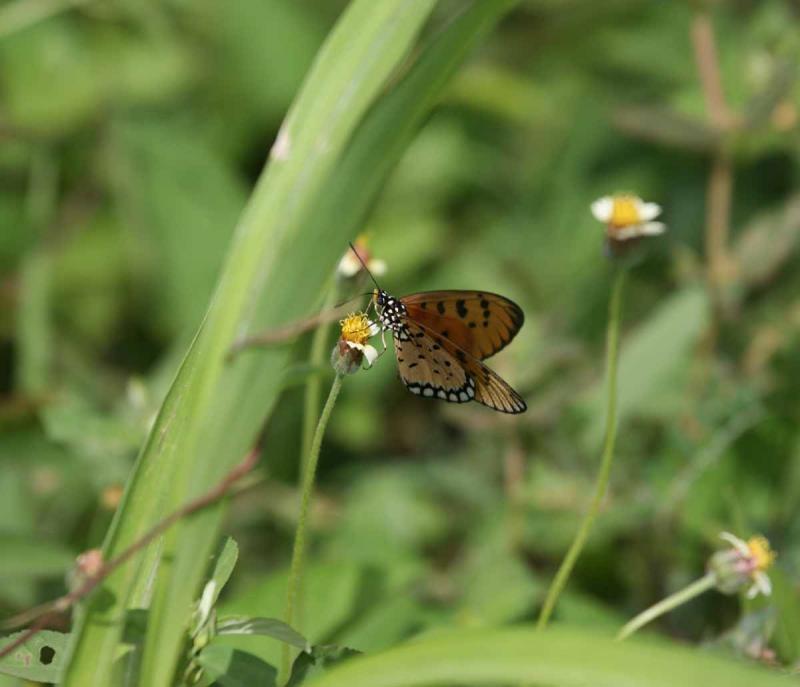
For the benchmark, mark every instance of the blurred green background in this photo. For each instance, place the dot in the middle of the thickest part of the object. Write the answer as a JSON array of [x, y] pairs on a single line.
[[131, 133]]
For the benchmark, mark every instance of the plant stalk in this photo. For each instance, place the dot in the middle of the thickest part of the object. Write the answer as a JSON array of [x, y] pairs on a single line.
[[672, 601], [601, 485], [309, 473]]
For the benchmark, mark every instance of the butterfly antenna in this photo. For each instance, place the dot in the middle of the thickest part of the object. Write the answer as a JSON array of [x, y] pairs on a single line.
[[364, 265]]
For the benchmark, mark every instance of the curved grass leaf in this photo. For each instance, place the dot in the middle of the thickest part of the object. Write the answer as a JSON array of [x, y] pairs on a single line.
[[267, 627], [557, 658]]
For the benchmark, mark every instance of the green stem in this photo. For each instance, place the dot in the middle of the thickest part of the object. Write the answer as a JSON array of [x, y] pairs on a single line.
[[612, 355], [672, 601], [296, 569], [311, 403], [313, 391]]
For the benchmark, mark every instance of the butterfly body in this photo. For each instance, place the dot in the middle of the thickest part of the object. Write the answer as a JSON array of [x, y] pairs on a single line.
[[440, 338], [392, 314]]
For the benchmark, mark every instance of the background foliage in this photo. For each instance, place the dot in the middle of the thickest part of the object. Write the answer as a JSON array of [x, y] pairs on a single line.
[[131, 136]]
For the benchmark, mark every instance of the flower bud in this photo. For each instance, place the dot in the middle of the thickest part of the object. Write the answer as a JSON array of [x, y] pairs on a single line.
[[744, 565]]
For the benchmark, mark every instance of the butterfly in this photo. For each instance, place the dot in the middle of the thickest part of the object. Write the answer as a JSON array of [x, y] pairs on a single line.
[[441, 337]]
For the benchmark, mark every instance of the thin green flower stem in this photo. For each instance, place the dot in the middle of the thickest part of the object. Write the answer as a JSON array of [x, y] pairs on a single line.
[[309, 473], [311, 404], [672, 601], [313, 391], [601, 485]]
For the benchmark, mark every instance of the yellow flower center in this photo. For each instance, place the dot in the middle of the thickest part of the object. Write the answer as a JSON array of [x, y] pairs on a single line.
[[355, 328], [763, 556], [625, 211]]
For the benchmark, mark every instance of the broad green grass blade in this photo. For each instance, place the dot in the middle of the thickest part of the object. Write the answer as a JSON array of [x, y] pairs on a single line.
[[557, 658], [213, 410], [391, 125]]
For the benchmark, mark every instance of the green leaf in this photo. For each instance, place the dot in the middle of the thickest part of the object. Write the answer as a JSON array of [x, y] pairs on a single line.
[[651, 358], [268, 627], [34, 330], [786, 598], [667, 127], [183, 194], [40, 659], [330, 599], [233, 668], [766, 244], [393, 618], [30, 556], [558, 657], [316, 662], [223, 568], [499, 589]]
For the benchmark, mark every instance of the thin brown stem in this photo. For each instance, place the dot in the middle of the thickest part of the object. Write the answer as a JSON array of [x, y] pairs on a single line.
[[719, 194], [288, 332], [705, 54], [719, 191], [64, 603]]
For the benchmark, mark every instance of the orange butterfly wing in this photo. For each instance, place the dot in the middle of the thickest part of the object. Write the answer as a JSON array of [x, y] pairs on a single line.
[[477, 322], [428, 369], [432, 365]]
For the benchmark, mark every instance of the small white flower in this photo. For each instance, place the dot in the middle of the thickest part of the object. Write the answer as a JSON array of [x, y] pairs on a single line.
[[628, 217], [350, 265], [745, 564], [352, 347]]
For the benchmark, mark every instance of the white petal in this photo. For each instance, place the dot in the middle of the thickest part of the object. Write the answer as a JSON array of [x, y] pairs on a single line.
[[739, 544], [603, 208], [652, 228], [349, 265], [648, 211], [374, 328], [377, 267], [371, 354], [632, 231], [761, 583]]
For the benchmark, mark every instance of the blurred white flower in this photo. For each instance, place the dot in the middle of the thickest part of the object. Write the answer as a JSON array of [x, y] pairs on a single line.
[[350, 265], [627, 217], [743, 565]]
